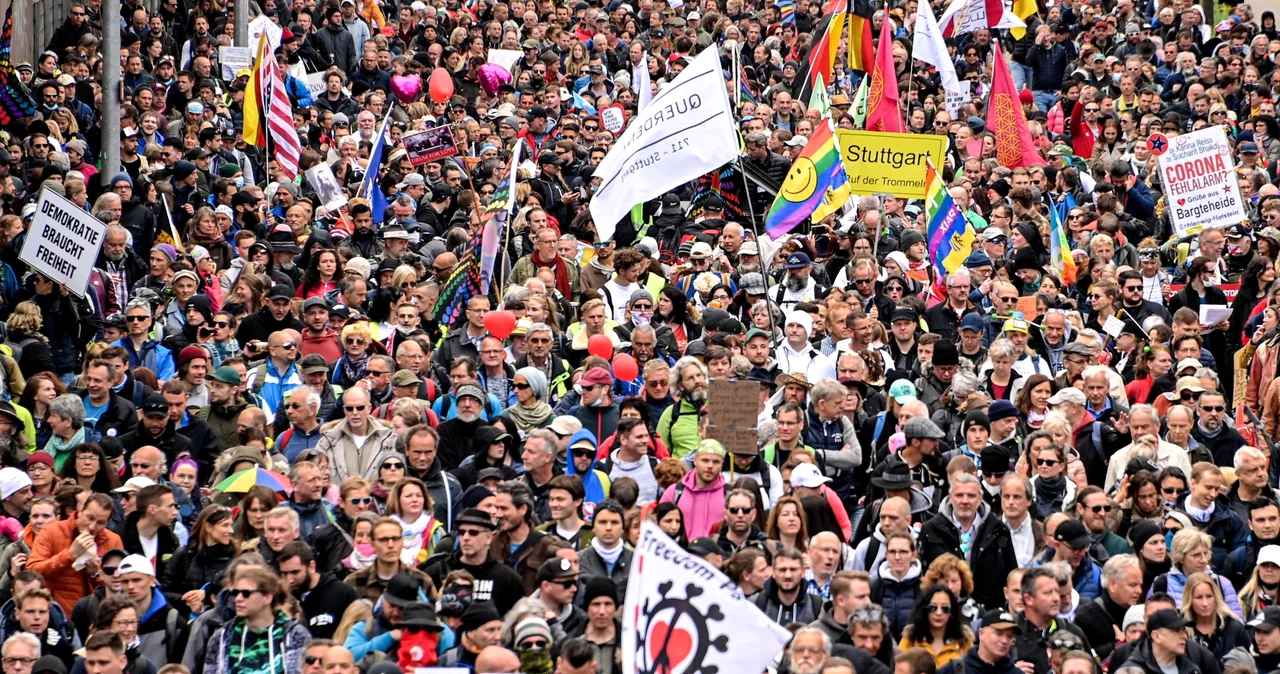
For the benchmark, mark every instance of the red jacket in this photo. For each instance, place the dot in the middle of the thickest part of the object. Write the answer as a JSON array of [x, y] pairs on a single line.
[[326, 345]]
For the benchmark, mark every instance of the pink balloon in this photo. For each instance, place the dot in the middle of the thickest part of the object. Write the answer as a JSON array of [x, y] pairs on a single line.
[[440, 86], [406, 88], [625, 367], [492, 76], [600, 346]]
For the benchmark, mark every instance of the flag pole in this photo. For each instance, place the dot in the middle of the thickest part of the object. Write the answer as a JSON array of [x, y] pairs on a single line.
[[764, 259]]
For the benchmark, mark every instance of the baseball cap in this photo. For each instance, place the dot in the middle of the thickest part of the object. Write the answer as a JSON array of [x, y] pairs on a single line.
[[405, 378], [807, 475], [555, 569], [1073, 533], [155, 405], [314, 302], [471, 390], [1169, 619], [312, 364], [700, 251], [1269, 619], [227, 375], [1000, 619], [135, 483], [1067, 395], [1269, 553], [902, 391], [797, 260], [135, 564]]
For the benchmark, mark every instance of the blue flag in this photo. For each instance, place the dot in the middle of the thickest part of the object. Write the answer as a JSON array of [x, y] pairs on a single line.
[[370, 187], [581, 103]]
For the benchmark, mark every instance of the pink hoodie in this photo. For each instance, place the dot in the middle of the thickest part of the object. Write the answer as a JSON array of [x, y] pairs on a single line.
[[702, 508]]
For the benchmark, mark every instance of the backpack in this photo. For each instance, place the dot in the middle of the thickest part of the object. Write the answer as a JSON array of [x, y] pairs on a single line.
[[15, 348]]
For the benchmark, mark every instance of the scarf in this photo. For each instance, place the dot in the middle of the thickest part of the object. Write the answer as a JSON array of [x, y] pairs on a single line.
[[536, 661], [1049, 493], [353, 369], [61, 449], [561, 270], [529, 418], [361, 557], [610, 557]]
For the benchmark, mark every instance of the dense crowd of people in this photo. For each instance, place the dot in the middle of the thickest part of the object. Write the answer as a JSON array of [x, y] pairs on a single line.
[[282, 430]]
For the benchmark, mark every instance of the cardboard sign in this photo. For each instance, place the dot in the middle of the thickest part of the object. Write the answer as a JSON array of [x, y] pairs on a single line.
[[1027, 305], [63, 242], [1113, 326], [732, 415], [326, 185], [1200, 182], [233, 59], [430, 145]]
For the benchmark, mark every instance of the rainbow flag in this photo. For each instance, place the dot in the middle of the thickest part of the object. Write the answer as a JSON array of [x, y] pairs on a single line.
[[787, 11], [813, 175], [495, 219], [1059, 248], [951, 237]]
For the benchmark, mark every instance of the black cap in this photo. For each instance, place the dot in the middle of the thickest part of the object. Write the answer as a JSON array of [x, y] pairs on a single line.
[[1167, 618], [905, 314], [402, 590], [50, 664], [1001, 619], [422, 615], [476, 517], [1266, 621], [155, 406], [244, 198], [1073, 534], [549, 157], [995, 460], [538, 111], [945, 354], [1143, 531], [479, 614], [556, 568], [704, 546], [279, 292], [488, 474]]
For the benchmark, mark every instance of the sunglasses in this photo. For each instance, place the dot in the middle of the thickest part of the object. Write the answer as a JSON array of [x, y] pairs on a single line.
[[522, 387], [566, 584], [109, 570], [944, 609], [1189, 396], [355, 340], [288, 345], [137, 319], [740, 511], [1098, 509], [312, 659], [355, 408], [1047, 462], [1170, 490], [366, 500], [1213, 408], [245, 594], [468, 533], [393, 465], [442, 270], [534, 643]]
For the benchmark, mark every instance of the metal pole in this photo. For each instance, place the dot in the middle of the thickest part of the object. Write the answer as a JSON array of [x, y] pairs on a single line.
[[111, 84], [242, 23], [764, 259]]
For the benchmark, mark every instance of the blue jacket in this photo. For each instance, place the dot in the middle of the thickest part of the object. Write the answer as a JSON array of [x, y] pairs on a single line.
[[1087, 580], [153, 356], [897, 596], [593, 481], [1175, 581], [1224, 526]]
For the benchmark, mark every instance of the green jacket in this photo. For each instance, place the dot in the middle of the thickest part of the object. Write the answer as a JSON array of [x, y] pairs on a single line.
[[682, 436]]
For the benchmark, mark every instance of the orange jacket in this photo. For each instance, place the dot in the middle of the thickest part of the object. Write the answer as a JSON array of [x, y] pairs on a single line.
[[51, 557]]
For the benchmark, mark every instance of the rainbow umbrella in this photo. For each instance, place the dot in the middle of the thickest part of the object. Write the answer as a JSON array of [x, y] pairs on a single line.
[[244, 480]]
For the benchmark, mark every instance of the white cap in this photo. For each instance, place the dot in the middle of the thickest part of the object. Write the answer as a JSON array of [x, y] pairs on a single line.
[[1269, 553], [223, 209], [12, 481], [135, 564], [1188, 362], [700, 250], [807, 475], [134, 484], [797, 141], [1068, 395]]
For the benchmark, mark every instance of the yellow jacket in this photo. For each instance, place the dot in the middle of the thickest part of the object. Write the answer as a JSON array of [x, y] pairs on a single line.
[[952, 650]]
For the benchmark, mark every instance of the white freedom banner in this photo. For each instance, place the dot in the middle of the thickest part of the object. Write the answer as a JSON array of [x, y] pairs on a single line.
[[683, 616], [685, 131], [967, 16], [1200, 182], [932, 49], [63, 242]]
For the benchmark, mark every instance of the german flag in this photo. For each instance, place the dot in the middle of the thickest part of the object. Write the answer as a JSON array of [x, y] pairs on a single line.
[[822, 56], [861, 51]]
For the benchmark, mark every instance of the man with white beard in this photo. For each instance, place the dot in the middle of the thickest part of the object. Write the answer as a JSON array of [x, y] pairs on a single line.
[[809, 651], [121, 267], [798, 285]]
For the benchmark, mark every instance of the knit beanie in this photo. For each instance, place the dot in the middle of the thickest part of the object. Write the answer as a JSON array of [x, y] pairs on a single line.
[[599, 586]]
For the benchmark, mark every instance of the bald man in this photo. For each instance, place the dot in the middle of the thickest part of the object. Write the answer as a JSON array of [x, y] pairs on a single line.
[[824, 559], [338, 660], [443, 265], [895, 512], [491, 660]]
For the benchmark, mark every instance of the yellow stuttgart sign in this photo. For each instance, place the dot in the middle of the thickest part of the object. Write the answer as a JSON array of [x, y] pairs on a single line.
[[889, 163]]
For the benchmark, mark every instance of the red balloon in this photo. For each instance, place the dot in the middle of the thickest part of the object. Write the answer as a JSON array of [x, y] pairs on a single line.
[[440, 85], [625, 367], [500, 323], [600, 346]]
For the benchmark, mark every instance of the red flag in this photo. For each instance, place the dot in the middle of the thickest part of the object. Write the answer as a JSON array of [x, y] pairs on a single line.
[[1006, 120], [882, 94]]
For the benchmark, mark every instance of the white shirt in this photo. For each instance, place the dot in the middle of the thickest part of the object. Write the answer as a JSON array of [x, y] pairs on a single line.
[[1024, 541], [616, 297], [791, 361]]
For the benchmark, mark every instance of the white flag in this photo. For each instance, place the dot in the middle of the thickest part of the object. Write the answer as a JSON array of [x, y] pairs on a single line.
[[640, 80], [967, 16], [932, 49], [682, 616], [686, 130]]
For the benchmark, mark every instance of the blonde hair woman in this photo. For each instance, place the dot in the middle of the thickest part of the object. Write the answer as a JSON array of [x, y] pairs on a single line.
[[25, 323], [1191, 553], [1215, 625], [1263, 587], [356, 338]]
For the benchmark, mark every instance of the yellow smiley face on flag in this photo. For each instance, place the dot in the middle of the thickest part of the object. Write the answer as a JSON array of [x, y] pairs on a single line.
[[801, 181]]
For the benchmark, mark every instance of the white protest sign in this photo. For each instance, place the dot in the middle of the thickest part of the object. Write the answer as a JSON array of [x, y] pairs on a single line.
[[683, 616], [505, 57], [613, 118], [957, 99], [1113, 326], [261, 24], [326, 185], [63, 242], [1200, 182], [315, 84], [684, 132], [233, 59]]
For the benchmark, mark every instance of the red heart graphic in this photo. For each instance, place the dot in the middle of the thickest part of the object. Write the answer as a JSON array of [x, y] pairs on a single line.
[[1182, 201], [668, 647]]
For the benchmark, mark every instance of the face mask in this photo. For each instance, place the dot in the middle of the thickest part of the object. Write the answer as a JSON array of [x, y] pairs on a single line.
[[641, 317], [602, 401], [535, 661], [1168, 540], [240, 181]]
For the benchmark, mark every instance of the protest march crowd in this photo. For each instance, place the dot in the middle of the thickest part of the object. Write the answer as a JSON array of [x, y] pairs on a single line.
[[343, 369]]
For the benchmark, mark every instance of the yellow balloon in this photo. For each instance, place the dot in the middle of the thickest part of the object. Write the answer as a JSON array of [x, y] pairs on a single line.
[[801, 181]]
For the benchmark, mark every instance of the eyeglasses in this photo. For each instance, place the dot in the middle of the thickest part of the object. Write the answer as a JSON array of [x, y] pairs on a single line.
[[1047, 462], [137, 319], [944, 609], [492, 352], [355, 408], [355, 341], [393, 465], [388, 540], [125, 623], [245, 594], [740, 511], [82, 457], [9, 662], [1099, 509]]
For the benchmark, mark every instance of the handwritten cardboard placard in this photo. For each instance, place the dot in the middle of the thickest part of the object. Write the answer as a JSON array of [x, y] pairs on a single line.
[[731, 413]]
